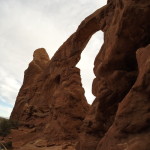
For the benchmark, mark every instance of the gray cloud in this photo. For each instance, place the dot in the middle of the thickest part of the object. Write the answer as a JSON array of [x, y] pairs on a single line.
[[30, 24]]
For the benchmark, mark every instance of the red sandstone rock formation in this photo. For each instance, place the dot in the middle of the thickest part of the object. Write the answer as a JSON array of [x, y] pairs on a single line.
[[51, 102], [52, 98], [127, 29], [130, 129]]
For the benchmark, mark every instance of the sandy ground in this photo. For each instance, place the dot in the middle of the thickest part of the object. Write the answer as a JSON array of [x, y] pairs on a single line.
[[24, 139]]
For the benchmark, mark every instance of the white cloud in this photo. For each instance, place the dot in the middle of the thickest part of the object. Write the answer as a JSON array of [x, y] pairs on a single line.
[[9, 87], [30, 24], [5, 111]]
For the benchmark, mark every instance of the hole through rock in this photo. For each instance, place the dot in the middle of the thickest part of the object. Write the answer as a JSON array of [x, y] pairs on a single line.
[[86, 63]]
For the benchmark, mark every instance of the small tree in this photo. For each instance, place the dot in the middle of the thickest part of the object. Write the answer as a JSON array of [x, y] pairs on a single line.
[[4, 127]]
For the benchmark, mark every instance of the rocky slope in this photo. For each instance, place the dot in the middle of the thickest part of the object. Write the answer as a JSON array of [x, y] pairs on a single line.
[[52, 98]]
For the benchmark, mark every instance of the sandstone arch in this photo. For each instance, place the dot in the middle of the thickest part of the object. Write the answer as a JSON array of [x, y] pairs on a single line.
[[116, 71], [51, 97]]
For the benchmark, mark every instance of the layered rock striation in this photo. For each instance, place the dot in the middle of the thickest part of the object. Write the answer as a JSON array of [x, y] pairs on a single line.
[[52, 97]]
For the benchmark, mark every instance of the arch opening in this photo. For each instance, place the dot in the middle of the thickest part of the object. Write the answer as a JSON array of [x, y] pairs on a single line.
[[86, 64]]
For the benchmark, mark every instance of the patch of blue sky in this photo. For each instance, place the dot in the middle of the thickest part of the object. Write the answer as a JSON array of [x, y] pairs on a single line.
[[5, 103]]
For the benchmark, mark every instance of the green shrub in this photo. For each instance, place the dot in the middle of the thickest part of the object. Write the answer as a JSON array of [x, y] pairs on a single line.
[[14, 124], [8, 144], [6, 125]]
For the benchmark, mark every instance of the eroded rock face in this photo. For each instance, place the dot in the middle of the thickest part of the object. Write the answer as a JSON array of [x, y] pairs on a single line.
[[130, 129], [53, 103], [52, 98], [116, 71]]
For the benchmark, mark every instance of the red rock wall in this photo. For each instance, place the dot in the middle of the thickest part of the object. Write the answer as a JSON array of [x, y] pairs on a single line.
[[116, 71], [130, 129], [53, 103]]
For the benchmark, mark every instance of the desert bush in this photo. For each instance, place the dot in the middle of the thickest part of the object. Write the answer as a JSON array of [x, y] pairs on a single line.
[[6, 125], [14, 124], [6, 145]]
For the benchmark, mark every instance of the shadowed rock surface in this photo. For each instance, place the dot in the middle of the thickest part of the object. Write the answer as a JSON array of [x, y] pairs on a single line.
[[116, 69], [52, 98], [131, 127]]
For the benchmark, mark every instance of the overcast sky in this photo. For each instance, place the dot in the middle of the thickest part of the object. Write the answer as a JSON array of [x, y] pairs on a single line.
[[26, 25]]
